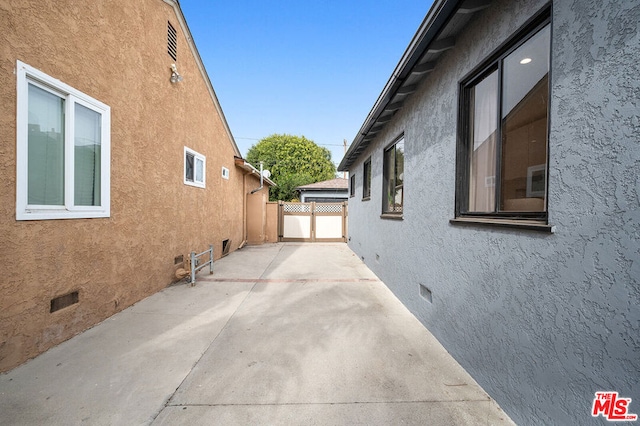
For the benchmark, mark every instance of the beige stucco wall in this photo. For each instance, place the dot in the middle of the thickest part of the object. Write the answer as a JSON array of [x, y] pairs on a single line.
[[257, 215], [272, 222], [115, 52], [261, 215]]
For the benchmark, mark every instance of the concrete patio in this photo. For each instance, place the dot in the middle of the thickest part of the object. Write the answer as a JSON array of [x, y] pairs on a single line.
[[280, 334]]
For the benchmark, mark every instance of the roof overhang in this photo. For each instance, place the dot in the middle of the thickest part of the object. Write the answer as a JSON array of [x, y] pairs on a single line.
[[437, 34], [247, 167]]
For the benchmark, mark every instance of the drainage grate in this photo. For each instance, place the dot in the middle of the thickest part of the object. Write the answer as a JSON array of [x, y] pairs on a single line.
[[64, 301]]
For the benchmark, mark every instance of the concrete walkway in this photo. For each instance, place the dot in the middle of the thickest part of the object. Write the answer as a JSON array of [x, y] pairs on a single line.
[[280, 334]]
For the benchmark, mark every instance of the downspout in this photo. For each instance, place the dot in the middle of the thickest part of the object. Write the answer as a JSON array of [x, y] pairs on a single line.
[[244, 211], [261, 181]]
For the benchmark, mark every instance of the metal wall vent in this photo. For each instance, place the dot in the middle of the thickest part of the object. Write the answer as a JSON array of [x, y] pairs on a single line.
[[172, 41]]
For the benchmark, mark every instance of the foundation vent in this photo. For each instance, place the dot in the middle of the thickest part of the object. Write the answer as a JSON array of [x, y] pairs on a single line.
[[62, 302], [178, 259], [226, 246], [425, 293], [172, 41]]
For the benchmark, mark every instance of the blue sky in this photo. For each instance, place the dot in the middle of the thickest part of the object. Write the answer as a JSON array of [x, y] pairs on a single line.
[[312, 68]]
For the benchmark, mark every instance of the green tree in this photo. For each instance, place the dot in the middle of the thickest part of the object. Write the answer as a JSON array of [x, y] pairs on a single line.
[[293, 161]]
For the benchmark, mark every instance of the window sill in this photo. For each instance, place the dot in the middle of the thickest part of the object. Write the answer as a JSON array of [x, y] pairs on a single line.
[[34, 214], [366, 198], [531, 225], [195, 184], [391, 216]]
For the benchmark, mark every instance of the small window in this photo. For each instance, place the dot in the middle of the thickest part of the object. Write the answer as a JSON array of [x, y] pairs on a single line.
[[172, 41], [502, 155], [352, 186], [393, 183], [366, 180], [225, 173], [63, 150], [194, 168]]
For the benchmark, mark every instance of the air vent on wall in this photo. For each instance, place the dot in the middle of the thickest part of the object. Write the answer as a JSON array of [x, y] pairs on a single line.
[[172, 41], [64, 301], [425, 293]]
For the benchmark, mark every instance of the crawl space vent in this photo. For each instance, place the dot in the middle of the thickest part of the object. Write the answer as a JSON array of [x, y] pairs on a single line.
[[225, 247], [62, 302]]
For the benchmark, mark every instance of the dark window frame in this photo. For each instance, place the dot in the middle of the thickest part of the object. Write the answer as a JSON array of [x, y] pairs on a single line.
[[488, 66], [190, 167], [352, 186], [388, 181], [366, 179]]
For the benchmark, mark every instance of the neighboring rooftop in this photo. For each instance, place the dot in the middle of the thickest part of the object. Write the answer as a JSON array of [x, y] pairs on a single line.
[[337, 183]]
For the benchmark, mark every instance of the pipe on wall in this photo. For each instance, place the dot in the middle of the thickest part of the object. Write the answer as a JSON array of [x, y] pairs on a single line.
[[261, 181]]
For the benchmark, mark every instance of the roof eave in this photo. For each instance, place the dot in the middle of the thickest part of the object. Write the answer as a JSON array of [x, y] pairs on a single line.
[[423, 42], [248, 167]]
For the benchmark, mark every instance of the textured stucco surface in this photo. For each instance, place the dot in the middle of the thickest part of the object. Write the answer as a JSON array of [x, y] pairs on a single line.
[[542, 321], [117, 53], [256, 212], [271, 229]]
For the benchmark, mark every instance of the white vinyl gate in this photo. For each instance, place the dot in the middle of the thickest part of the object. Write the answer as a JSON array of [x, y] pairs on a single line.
[[312, 222]]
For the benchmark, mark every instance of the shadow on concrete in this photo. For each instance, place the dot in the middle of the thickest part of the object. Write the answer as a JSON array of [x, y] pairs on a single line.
[[281, 333]]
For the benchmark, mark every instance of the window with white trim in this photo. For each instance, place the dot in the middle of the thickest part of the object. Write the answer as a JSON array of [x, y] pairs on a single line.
[[63, 150], [194, 168]]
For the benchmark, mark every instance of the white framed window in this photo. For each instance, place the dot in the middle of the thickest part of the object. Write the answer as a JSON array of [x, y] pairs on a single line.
[[225, 173], [63, 150], [195, 168]]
